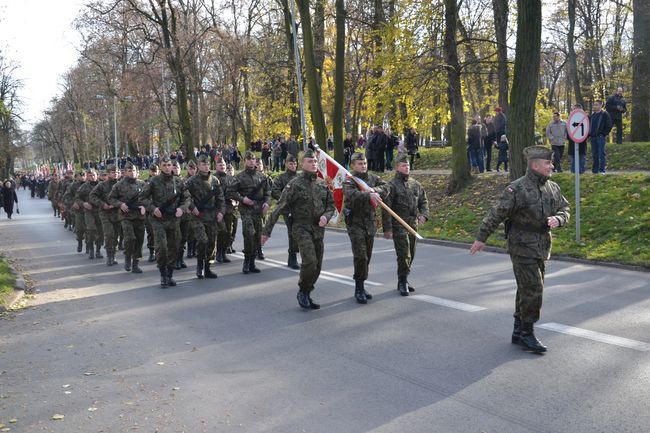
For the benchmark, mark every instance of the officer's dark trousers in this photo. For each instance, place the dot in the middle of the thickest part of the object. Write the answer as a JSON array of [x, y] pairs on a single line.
[[529, 274]]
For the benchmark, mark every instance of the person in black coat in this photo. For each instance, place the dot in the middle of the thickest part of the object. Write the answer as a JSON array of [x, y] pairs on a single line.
[[616, 107], [9, 197]]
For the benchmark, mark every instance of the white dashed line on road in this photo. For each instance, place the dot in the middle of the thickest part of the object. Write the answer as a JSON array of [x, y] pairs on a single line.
[[597, 336], [447, 303]]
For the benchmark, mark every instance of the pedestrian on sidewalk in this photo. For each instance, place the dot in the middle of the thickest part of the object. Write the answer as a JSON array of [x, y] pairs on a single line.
[[616, 107], [556, 132], [531, 207], [601, 125], [9, 197], [503, 153]]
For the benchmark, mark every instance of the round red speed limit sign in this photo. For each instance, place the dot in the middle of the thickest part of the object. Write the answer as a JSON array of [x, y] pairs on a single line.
[[578, 126]]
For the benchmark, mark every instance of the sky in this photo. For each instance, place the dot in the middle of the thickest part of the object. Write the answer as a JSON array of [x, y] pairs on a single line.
[[38, 36]]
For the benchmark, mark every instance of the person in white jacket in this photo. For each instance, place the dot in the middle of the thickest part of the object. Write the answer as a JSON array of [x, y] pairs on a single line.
[[557, 134]]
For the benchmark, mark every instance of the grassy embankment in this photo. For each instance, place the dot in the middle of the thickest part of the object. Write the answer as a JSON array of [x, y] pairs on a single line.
[[7, 280]]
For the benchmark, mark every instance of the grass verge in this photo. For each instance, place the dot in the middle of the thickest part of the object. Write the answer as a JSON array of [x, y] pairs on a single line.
[[7, 280]]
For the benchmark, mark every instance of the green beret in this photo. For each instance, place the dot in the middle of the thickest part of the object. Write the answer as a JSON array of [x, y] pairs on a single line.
[[249, 155], [191, 163], [401, 157], [203, 158], [110, 167], [165, 159], [357, 156], [309, 154], [291, 158], [538, 152], [129, 165]]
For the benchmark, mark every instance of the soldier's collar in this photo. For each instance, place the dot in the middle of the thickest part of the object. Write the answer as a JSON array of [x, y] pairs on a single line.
[[536, 177]]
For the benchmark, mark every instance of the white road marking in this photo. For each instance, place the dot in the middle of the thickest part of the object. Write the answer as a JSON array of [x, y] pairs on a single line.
[[330, 276], [597, 336], [447, 303]]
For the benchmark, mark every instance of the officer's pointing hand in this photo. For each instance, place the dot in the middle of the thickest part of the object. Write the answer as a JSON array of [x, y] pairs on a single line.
[[323, 221], [179, 212], [156, 213], [476, 247], [553, 222]]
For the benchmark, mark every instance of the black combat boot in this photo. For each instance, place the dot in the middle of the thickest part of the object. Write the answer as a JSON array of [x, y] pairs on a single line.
[[292, 261], [516, 331], [260, 254], [89, 247], [98, 252], [152, 255], [170, 276], [80, 245], [408, 285], [401, 285], [127, 264], [219, 257], [246, 267], [303, 299], [120, 245], [163, 278], [113, 261], [368, 295], [206, 270], [359, 292], [312, 304], [199, 269], [109, 259], [230, 250], [135, 268], [528, 339], [224, 257], [252, 267]]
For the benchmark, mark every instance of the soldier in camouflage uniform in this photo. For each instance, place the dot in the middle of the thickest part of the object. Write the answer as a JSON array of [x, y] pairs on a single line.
[[153, 172], [207, 210], [166, 199], [52, 189], [189, 235], [359, 211], [407, 199], [276, 190], [60, 193], [259, 165], [94, 234], [250, 189], [108, 214], [74, 210], [225, 227], [125, 197], [530, 207], [311, 204], [231, 220]]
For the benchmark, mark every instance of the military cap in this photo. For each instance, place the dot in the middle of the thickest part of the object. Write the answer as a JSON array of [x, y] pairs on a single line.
[[357, 156], [191, 163], [165, 159], [249, 155], [401, 157], [129, 165], [175, 163], [203, 158], [291, 158], [309, 154], [110, 167], [153, 167], [538, 152]]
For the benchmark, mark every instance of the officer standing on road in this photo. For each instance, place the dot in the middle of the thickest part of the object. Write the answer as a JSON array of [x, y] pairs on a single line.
[[166, 198], [407, 199], [94, 234], [108, 214], [250, 189], [310, 202], [530, 207], [359, 210], [125, 197], [207, 211], [276, 191]]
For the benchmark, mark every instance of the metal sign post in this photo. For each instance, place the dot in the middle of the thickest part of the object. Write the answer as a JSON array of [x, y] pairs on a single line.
[[578, 126]]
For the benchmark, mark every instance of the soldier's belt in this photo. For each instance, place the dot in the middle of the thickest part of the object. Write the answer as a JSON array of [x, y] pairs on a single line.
[[531, 229]]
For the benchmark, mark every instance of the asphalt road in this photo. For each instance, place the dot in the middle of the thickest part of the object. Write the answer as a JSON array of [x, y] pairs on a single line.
[[112, 352]]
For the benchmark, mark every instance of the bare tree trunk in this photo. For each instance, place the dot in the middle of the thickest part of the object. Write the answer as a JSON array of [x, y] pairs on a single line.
[[460, 176], [319, 39], [572, 57], [640, 72], [525, 82], [501, 30], [379, 20], [339, 80], [291, 70]]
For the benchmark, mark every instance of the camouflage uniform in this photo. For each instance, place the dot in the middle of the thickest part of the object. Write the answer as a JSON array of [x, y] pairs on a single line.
[[208, 199], [186, 227], [276, 191], [525, 206], [167, 193], [147, 223], [127, 191], [408, 200], [77, 213], [306, 198], [52, 189], [225, 233], [254, 185], [108, 217], [94, 234], [361, 224]]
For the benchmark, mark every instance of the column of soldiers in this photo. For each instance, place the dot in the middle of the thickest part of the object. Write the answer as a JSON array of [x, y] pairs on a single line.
[[201, 210]]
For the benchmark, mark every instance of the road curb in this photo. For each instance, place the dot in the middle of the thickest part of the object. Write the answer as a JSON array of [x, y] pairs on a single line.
[[492, 249]]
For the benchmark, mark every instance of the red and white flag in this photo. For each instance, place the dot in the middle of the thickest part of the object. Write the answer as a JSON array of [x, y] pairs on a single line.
[[334, 174]]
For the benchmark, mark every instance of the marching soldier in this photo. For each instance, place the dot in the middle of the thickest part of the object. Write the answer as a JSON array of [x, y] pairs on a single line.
[[125, 197], [407, 199], [94, 233], [187, 222], [207, 209], [231, 223], [60, 193], [74, 210], [224, 229], [166, 198], [359, 211], [530, 207], [153, 172], [52, 189], [276, 191], [108, 214], [259, 165], [311, 204], [250, 189]]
